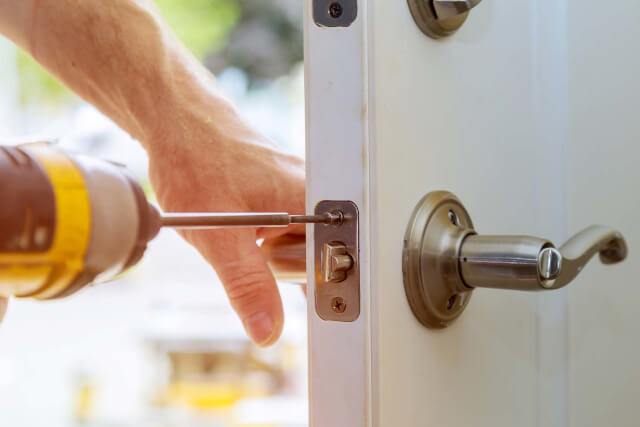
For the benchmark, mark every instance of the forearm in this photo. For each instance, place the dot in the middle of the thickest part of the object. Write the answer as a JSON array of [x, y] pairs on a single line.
[[120, 56], [15, 19]]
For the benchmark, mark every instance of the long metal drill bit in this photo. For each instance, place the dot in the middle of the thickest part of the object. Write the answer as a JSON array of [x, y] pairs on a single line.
[[244, 220]]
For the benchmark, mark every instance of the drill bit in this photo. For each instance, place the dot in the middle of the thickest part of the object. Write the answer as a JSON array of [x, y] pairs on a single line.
[[244, 220]]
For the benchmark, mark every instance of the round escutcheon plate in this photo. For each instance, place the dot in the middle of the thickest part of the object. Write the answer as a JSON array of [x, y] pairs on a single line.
[[432, 281]]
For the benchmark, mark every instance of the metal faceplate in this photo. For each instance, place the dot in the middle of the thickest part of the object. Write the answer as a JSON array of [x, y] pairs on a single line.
[[334, 13], [430, 267], [337, 297]]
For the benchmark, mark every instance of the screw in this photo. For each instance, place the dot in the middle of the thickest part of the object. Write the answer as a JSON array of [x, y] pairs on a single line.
[[335, 10], [451, 303], [454, 218], [335, 217], [338, 305]]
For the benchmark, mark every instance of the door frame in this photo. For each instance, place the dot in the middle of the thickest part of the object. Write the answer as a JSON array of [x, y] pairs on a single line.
[[340, 153], [337, 162]]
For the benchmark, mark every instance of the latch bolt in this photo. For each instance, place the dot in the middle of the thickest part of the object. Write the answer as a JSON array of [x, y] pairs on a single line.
[[336, 262]]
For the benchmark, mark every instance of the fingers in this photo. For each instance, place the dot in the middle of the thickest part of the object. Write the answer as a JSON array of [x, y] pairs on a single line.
[[248, 281], [268, 232]]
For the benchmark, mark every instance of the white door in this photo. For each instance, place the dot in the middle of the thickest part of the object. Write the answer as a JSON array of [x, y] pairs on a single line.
[[530, 115]]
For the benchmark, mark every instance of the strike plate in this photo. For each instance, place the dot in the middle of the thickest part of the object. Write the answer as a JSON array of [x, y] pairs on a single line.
[[337, 301]]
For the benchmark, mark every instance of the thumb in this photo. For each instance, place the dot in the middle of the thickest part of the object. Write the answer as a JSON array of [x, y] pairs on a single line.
[[249, 283]]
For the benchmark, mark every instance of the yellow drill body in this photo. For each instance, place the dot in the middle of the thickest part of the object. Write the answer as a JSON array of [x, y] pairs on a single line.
[[67, 221]]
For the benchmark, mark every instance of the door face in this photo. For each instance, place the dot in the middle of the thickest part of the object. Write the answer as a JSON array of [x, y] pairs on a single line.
[[529, 115], [602, 187], [476, 114]]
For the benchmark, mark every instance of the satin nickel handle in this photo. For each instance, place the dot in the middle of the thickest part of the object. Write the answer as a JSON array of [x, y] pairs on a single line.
[[531, 264], [446, 9], [444, 259], [577, 251]]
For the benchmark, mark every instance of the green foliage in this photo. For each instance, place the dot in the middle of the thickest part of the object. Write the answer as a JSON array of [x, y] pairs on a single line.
[[266, 43], [202, 25], [37, 85]]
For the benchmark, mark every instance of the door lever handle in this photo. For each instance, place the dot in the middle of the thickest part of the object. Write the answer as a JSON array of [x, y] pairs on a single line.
[[532, 264], [444, 259], [449, 8]]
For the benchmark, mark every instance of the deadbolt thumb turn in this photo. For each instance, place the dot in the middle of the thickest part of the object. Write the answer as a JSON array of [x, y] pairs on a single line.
[[444, 259]]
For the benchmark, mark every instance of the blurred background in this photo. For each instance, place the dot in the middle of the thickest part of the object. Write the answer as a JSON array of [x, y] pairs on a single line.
[[160, 346]]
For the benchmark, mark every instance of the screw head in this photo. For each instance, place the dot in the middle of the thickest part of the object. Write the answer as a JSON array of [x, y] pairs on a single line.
[[453, 217], [335, 10], [451, 303], [338, 305]]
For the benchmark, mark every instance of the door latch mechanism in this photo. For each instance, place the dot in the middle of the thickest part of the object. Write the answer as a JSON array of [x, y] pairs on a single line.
[[444, 259], [336, 260], [337, 267]]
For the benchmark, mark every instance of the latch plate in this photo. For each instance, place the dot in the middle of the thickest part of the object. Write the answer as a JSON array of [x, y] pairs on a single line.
[[337, 301]]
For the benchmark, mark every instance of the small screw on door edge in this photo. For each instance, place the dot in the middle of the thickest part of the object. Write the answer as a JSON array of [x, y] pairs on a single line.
[[338, 305], [335, 10]]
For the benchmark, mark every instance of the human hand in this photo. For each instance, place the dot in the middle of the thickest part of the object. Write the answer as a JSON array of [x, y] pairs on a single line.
[[122, 57], [227, 167]]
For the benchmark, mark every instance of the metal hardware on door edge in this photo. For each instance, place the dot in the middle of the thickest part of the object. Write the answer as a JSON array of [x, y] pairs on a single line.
[[334, 13], [440, 18], [444, 259], [337, 266]]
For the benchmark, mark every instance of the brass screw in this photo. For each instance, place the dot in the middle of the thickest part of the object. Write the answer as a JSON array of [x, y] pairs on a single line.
[[338, 305]]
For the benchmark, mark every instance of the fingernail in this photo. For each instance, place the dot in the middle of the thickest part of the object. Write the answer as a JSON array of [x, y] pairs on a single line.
[[259, 326]]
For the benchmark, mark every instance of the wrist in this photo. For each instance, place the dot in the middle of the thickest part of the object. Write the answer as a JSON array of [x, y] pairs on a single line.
[[195, 116]]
